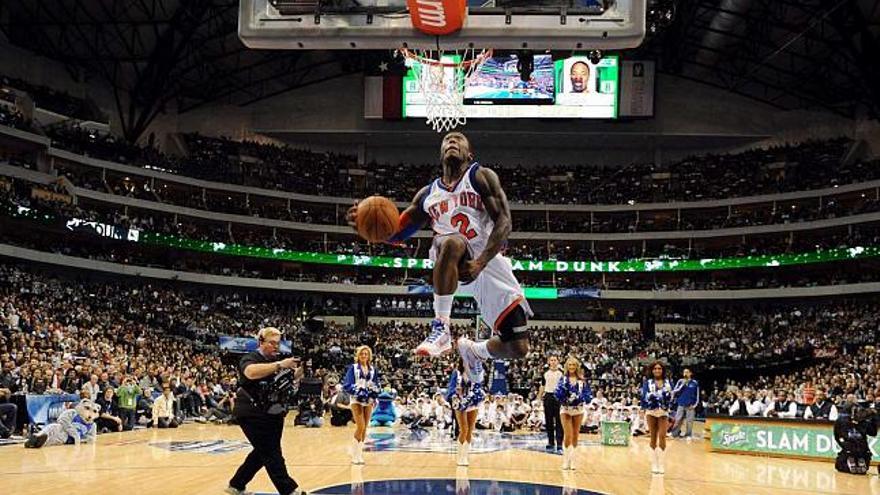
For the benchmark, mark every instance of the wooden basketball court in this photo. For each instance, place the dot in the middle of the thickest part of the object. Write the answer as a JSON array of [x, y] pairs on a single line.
[[180, 461]]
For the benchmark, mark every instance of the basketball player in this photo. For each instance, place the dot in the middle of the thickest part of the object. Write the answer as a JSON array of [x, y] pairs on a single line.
[[470, 216]]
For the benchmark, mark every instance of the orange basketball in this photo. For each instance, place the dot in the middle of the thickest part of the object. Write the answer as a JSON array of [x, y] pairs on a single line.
[[377, 219]]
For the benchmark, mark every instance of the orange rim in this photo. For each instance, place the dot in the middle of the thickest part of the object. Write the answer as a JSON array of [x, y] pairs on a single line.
[[485, 54]]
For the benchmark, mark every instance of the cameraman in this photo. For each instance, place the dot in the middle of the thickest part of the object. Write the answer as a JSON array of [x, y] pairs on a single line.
[[256, 371], [851, 431]]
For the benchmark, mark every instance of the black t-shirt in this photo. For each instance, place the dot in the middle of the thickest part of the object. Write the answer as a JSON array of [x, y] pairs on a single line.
[[244, 406], [107, 406]]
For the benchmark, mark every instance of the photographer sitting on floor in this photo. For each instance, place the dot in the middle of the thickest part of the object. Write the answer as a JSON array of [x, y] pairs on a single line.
[[340, 410], [851, 431]]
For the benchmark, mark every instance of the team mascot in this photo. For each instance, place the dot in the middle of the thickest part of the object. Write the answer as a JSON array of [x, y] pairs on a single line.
[[72, 427], [851, 431], [385, 413]]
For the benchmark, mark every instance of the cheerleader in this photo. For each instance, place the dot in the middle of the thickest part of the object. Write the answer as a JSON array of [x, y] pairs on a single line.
[[465, 398], [656, 398], [572, 392], [362, 384]]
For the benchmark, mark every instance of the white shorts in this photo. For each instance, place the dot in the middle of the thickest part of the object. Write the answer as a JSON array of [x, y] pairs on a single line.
[[496, 289], [571, 410]]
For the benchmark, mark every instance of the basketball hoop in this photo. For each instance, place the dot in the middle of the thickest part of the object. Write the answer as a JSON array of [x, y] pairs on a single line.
[[442, 77]]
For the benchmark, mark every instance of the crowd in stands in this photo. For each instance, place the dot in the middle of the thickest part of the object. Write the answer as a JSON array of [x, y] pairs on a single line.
[[10, 117], [158, 343], [56, 101], [805, 166], [776, 334], [17, 195], [843, 379], [213, 231], [621, 222]]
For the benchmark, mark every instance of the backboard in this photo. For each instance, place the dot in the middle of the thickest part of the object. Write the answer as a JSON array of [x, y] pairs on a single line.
[[498, 24]]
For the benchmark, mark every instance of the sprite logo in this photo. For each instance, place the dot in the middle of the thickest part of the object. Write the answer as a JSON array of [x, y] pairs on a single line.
[[732, 437]]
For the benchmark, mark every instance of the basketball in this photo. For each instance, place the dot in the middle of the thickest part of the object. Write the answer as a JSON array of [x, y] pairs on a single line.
[[377, 219]]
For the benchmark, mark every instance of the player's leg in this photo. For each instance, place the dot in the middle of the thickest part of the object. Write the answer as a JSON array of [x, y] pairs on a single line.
[[512, 343], [503, 306], [448, 253]]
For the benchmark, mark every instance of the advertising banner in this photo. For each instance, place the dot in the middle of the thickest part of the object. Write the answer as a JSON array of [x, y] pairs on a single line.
[[795, 439]]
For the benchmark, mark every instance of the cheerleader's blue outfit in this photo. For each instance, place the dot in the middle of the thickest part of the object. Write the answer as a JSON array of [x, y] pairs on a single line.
[[362, 385], [656, 399], [462, 394], [572, 395]]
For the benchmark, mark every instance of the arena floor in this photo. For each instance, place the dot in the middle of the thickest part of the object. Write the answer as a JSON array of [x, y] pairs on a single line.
[[199, 459]]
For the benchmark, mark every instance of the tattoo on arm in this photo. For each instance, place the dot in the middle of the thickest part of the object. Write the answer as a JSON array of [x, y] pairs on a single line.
[[495, 202]]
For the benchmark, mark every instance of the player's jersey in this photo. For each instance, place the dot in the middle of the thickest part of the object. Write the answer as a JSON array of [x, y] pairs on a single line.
[[459, 209]]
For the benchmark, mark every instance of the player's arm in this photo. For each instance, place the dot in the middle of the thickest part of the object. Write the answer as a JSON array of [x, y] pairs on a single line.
[[495, 202]]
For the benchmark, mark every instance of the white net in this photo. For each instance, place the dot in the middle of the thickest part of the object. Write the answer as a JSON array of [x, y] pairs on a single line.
[[442, 77]]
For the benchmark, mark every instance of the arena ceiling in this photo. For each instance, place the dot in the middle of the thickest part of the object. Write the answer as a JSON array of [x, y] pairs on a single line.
[[186, 53]]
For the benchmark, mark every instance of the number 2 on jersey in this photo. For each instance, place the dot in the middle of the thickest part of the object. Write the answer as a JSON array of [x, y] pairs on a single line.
[[462, 222]]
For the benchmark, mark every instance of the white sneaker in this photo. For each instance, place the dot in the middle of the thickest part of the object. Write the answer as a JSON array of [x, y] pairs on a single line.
[[439, 341], [472, 362]]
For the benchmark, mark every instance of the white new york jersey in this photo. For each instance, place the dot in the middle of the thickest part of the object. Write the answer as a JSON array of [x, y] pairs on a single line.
[[459, 210]]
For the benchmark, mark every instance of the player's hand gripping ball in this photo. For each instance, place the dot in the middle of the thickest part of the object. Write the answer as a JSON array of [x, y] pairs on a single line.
[[375, 219]]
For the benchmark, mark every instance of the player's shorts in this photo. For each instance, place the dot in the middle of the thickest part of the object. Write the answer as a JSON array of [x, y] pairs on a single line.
[[499, 296]]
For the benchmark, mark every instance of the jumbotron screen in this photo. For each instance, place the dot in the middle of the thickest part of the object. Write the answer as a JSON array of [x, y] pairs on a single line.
[[569, 88]]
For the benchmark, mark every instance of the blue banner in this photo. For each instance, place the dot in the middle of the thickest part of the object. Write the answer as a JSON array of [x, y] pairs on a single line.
[[44, 409], [243, 345], [580, 293]]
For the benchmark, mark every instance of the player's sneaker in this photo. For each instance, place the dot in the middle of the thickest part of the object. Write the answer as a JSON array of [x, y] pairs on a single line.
[[472, 362], [439, 341]]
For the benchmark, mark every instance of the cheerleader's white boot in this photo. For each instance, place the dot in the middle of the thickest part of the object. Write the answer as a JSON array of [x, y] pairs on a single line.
[[566, 458], [459, 454], [655, 461], [661, 455], [353, 450], [360, 453], [571, 453], [465, 452]]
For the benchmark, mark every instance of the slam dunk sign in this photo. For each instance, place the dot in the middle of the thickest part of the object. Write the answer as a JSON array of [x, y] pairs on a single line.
[[781, 440]]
